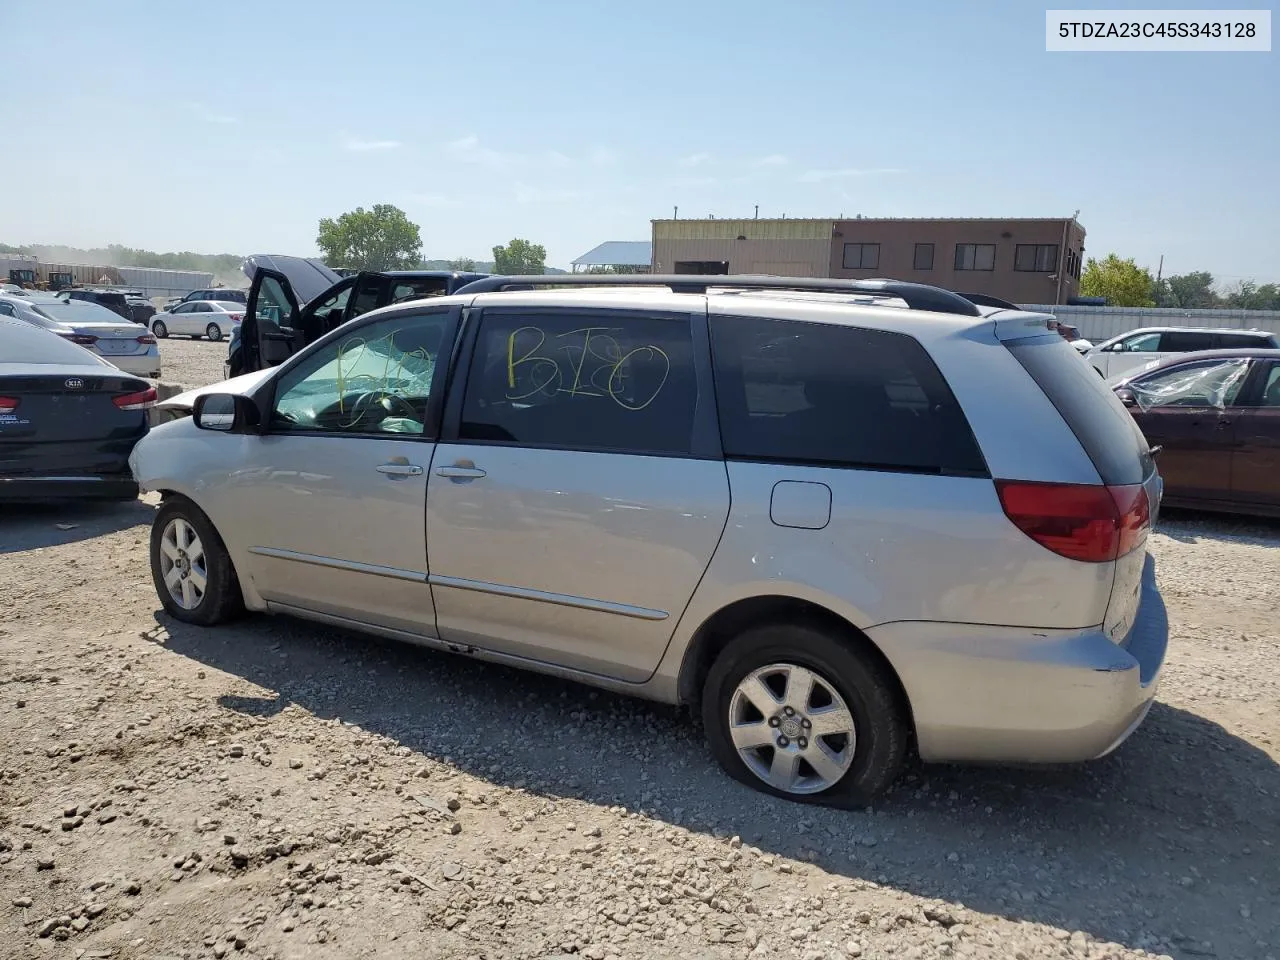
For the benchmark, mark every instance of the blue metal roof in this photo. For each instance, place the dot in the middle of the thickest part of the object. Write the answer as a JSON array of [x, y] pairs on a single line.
[[618, 253]]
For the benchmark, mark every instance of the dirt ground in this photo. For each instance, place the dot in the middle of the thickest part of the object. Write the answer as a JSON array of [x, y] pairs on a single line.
[[278, 789]]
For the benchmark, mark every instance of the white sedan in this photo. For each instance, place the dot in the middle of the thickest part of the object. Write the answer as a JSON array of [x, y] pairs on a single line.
[[214, 319]]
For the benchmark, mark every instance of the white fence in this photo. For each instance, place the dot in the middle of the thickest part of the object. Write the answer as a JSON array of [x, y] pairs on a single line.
[[1103, 323]]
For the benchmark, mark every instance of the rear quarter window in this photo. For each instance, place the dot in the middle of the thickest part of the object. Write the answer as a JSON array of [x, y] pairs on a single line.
[[815, 393], [1090, 408]]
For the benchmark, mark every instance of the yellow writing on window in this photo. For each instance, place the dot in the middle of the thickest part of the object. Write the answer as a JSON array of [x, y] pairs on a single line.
[[594, 365]]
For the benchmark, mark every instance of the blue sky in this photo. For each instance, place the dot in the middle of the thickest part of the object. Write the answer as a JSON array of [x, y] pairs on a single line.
[[219, 127]]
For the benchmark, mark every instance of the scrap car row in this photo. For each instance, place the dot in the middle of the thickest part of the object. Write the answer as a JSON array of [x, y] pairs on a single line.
[[824, 514]]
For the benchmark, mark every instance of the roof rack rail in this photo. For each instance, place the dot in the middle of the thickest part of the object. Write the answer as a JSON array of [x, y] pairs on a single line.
[[917, 296], [986, 300]]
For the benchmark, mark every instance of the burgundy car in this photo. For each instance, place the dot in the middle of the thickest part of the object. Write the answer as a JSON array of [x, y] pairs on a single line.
[[1215, 415]]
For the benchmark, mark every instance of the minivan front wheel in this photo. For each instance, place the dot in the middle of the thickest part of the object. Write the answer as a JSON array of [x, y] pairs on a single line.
[[192, 571], [800, 713]]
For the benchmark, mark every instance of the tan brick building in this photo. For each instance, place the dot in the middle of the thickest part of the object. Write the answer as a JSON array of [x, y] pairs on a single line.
[[1023, 260]]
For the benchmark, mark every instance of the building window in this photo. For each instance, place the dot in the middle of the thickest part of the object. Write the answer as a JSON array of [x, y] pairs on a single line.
[[1035, 257], [861, 256], [924, 257], [975, 256]]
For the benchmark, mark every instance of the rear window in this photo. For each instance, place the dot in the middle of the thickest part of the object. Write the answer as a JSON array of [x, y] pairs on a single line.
[[1090, 408], [23, 343], [1251, 340], [77, 311], [797, 392]]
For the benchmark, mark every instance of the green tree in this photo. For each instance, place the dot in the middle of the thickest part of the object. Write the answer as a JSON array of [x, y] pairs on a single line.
[[462, 264], [519, 258], [1249, 295], [379, 239], [1122, 282], [1188, 291]]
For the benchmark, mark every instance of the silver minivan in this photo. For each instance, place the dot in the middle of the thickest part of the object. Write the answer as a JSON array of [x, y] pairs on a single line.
[[840, 519]]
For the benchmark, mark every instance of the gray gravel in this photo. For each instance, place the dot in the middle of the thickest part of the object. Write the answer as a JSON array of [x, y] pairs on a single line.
[[192, 363], [286, 790]]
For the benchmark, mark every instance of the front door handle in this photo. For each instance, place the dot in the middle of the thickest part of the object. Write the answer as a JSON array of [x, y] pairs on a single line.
[[398, 471], [460, 472]]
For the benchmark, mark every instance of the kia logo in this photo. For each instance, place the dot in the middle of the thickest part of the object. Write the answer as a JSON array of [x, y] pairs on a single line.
[[74, 383]]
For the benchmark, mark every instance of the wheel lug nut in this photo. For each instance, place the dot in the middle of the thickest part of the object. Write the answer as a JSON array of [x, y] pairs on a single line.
[[774, 721], [806, 723], [783, 741], [802, 743], [789, 711]]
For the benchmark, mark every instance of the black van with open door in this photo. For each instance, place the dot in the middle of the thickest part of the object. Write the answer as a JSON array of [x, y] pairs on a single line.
[[294, 301]]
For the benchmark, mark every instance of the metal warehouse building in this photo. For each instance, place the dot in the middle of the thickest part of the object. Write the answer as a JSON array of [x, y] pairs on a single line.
[[1023, 260]]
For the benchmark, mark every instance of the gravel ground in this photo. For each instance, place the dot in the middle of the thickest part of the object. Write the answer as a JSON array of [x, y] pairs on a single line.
[[285, 790], [192, 363]]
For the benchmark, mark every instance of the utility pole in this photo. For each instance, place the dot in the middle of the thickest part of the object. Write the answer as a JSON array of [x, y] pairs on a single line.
[[1155, 294]]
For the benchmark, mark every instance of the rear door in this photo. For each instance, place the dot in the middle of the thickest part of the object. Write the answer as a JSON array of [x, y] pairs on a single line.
[[267, 335], [1189, 411], [1255, 467], [577, 494]]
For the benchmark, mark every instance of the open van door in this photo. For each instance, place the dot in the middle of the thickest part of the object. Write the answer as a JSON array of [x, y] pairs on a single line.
[[267, 334]]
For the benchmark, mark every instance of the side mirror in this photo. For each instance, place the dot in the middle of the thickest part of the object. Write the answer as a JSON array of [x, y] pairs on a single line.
[[1127, 397], [224, 412]]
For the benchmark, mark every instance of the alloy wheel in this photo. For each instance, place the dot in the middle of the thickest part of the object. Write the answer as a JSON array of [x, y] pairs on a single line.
[[792, 728], [182, 563]]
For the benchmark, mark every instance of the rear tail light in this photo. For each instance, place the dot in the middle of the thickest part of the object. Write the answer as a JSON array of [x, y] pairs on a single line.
[[136, 401], [8, 404], [236, 317], [84, 339], [146, 338], [1095, 524]]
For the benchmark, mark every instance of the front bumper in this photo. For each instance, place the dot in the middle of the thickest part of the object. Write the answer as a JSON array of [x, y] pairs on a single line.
[[1018, 695], [22, 489]]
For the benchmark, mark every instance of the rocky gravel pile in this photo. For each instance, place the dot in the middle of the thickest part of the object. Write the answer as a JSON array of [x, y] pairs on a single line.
[[276, 789]]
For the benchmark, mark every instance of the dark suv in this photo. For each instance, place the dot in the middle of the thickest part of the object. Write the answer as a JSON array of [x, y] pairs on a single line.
[[113, 300]]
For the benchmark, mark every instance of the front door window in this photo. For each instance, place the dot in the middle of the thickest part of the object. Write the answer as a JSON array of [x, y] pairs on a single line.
[[376, 380]]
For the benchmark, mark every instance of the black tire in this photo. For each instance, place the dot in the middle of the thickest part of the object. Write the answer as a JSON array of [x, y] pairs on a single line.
[[213, 332], [867, 686], [159, 329], [222, 599]]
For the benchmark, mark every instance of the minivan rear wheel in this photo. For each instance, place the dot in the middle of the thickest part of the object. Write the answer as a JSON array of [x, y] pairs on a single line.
[[801, 713], [192, 571]]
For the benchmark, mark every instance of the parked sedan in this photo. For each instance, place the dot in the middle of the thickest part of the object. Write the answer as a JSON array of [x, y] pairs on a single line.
[[68, 419], [214, 319], [1216, 414], [119, 342]]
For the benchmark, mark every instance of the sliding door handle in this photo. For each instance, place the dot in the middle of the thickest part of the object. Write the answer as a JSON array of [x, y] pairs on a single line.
[[460, 473]]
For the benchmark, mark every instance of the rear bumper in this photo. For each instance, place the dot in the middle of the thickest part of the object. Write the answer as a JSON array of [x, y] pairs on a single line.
[[13, 489], [141, 365], [1017, 695]]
